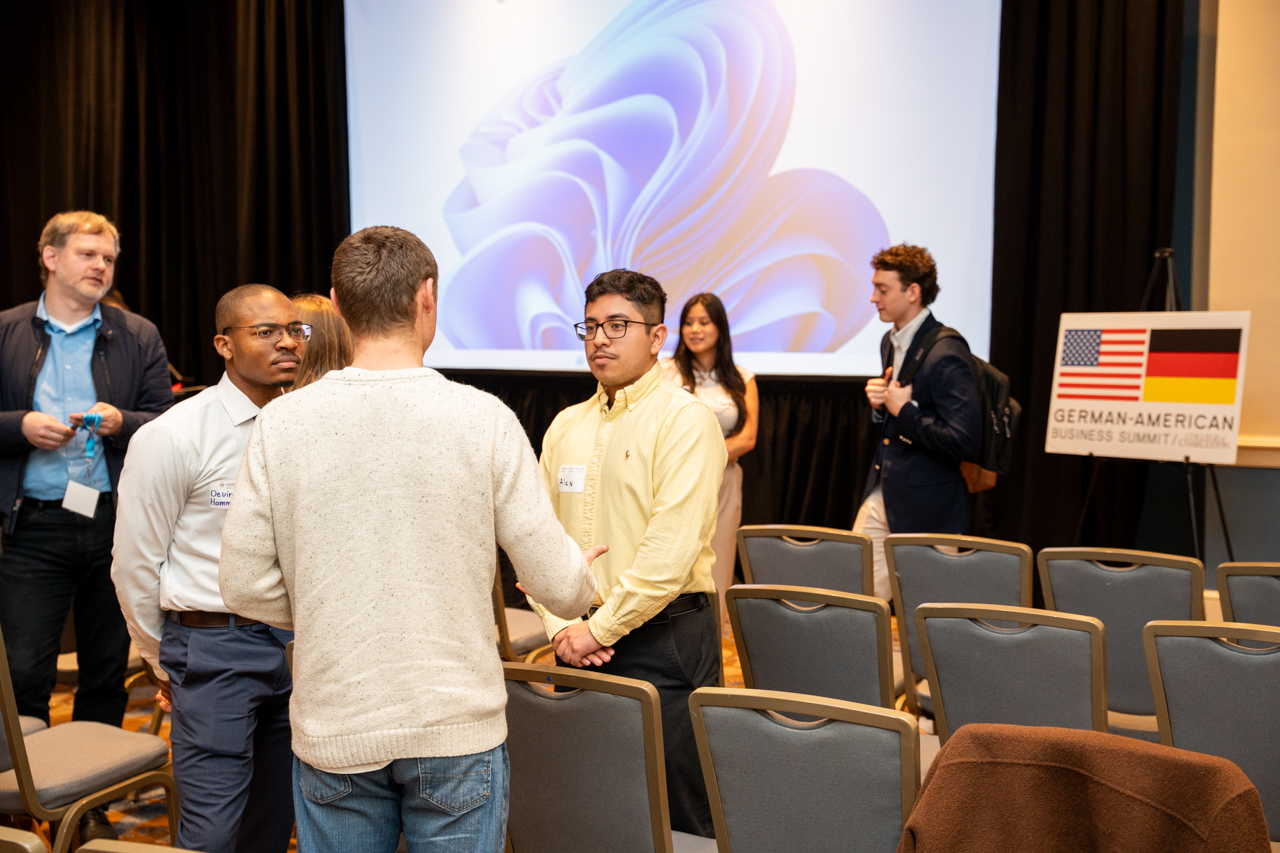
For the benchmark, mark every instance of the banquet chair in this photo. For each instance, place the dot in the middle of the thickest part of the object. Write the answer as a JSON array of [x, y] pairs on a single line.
[[20, 841], [60, 773], [1140, 586], [813, 641], [816, 557], [27, 725], [980, 571], [1049, 669], [1216, 696], [1250, 592], [587, 769], [846, 781], [520, 633], [1050, 790]]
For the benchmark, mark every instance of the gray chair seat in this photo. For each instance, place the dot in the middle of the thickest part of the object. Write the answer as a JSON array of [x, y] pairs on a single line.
[[683, 842], [526, 630], [30, 725], [76, 759]]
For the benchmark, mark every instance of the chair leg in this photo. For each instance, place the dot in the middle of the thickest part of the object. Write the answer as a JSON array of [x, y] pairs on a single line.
[[68, 830], [171, 806], [157, 720]]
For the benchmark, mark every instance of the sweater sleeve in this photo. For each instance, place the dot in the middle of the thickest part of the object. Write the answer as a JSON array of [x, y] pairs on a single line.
[[249, 572], [546, 559]]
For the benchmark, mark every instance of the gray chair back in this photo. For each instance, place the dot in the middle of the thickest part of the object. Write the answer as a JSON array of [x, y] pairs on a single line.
[[1250, 592], [586, 765], [797, 555], [985, 571], [1142, 587], [846, 781], [818, 642], [1048, 669], [1215, 696]]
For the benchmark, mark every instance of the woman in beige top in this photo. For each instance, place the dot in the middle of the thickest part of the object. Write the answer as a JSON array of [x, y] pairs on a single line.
[[703, 365]]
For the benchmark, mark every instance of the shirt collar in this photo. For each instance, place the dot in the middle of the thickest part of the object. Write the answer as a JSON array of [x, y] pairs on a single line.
[[629, 397], [237, 404], [903, 337], [95, 318]]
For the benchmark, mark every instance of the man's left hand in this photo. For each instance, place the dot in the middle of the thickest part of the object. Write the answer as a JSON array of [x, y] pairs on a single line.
[[577, 646], [112, 420], [896, 396]]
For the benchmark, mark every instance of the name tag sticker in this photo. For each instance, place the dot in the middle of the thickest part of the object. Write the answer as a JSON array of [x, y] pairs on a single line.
[[220, 494], [83, 499], [573, 478]]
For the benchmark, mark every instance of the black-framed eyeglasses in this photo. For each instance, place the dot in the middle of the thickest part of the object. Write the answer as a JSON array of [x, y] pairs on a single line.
[[270, 333], [613, 329]]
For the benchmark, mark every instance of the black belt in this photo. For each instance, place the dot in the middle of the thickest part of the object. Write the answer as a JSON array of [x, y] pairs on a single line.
[[206, 619], [56, 503], [686, 603]]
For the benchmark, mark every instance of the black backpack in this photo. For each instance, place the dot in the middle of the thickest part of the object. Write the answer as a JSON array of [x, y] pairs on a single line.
[[1000, 412]]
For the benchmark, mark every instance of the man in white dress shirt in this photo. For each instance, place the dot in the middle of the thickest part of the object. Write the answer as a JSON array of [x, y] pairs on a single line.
[[224, 676]]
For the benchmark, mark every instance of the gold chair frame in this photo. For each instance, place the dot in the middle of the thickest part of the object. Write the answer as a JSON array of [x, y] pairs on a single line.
[[651, 721], [777, 703], [64, 820], [806, 536], [1024, 616], [818, 598], [964, 544]]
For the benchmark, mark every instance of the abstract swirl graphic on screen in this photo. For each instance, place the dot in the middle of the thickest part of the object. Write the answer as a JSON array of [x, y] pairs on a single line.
[[651, 150]]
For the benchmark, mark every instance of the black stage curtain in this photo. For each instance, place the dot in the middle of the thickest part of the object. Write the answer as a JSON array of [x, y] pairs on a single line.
[[213, 134], [1087, 131], [811, 457]]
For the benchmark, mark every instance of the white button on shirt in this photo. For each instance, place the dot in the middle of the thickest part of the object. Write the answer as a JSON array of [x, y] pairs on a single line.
[[178, 479]]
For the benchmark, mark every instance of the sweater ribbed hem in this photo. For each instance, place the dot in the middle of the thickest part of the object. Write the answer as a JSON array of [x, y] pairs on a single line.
[[337, 751]]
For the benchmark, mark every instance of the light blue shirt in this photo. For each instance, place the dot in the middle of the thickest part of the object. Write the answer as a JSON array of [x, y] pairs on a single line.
[[63, 387]]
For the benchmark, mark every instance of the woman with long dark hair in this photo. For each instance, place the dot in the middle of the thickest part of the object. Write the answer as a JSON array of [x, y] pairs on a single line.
[[703, 365]]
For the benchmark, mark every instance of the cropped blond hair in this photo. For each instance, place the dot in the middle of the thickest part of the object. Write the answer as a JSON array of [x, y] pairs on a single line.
[[61, 226]]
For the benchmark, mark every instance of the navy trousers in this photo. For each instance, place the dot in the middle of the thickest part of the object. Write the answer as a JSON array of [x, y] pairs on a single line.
[[52, 557], [232, 757]]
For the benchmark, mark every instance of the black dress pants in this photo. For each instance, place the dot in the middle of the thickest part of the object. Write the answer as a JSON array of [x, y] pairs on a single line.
[[677, 655], [52, 557]]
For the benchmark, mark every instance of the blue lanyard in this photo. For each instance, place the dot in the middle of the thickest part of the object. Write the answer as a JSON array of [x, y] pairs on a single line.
[[92, 421]]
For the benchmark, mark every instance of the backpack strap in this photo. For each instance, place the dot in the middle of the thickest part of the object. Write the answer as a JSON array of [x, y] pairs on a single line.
[[921, 350]]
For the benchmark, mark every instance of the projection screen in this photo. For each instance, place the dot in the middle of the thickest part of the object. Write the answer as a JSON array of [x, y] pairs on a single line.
[[760, 150]]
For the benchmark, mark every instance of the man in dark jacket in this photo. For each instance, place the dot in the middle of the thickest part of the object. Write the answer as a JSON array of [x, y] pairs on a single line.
[[927, 427], [77, 379]]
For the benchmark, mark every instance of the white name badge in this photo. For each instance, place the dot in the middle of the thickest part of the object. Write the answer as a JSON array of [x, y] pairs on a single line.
[[81, 499], [573, 478], [220, 494]]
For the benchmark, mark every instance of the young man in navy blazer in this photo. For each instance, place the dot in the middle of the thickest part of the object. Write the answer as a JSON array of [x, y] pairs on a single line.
[[927, 427]]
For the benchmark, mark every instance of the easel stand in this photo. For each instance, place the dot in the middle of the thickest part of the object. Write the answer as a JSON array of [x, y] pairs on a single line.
[[1172, 302]]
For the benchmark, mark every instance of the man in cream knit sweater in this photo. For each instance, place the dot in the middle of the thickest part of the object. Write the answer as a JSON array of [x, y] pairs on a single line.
[[366, 517]]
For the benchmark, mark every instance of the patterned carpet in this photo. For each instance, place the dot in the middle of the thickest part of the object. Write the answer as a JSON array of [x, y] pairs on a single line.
[[146, 821]]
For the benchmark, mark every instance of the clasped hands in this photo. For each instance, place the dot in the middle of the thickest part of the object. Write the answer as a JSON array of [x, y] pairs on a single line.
[[884, 392], [575, 644], [48, 433]]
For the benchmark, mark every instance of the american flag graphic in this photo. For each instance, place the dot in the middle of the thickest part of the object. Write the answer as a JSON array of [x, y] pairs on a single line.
[[1102, 364]]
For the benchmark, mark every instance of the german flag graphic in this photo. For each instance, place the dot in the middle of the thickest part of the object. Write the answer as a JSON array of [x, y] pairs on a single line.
[[1192, 366]]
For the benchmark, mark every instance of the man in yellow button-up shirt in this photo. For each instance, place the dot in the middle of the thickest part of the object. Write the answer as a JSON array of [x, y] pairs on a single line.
[[638, 466]]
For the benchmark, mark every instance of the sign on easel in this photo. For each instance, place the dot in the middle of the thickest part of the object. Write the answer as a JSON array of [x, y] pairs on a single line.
[[1164, 386]]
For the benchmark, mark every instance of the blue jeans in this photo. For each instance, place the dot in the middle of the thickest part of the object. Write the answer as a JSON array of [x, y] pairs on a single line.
[[443, 805]]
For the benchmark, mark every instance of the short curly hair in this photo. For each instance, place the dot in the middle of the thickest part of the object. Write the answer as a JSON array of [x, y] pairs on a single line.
[[641, 290], [914, 265]]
